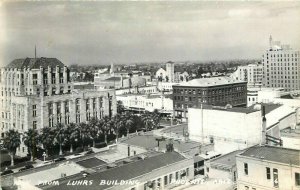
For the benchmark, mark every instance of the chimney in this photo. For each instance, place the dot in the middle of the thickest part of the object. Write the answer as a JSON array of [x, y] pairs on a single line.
[[264, 126]]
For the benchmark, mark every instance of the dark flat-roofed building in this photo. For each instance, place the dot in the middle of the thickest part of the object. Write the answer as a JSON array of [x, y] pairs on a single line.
[[268, 167], [218, 91]]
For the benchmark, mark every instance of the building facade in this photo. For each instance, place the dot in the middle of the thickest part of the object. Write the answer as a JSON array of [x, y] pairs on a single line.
[[138, 102], [218, 91], [281, 67], [252, 73], [267, 167], [170, 71], [37, 93]]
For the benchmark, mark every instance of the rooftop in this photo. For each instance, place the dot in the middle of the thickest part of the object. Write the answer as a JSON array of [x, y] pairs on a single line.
[[35, 63], [127, 171], [274, 154], [149, 141], [214, 81], [292, 133], [230, 109], [91, 162], [227, 160]]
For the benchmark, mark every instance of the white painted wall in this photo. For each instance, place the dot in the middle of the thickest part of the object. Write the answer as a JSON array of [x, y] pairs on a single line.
[[231, 130]]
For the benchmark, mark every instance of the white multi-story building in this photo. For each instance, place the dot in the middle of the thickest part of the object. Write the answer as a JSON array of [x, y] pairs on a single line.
[[138, 102], [37, 93], [281, 67], [252, 74], [240, 73], [267, 167]]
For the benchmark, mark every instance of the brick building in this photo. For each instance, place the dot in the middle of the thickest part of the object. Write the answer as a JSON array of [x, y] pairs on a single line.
[[217, 91], [37, 92]]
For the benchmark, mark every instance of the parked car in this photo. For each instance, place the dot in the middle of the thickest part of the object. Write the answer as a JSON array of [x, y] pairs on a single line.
[[59, 159], [75, 155], [6, 172], [29, 166], [44, 163]]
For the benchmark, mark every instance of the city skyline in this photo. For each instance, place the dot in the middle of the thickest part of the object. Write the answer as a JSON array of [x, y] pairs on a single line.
[[97, 33]]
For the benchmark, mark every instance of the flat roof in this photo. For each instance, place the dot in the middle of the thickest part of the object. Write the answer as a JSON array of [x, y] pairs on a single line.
[[274, 154], [91, 162], [288, 132], [149, 142], [228, 160], [125, 172], [214, 81], [230, 109]]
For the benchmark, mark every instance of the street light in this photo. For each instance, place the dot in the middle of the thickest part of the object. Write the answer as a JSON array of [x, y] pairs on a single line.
[[44, 155]]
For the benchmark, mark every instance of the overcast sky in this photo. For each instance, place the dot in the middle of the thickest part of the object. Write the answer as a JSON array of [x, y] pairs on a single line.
[[104, 32]]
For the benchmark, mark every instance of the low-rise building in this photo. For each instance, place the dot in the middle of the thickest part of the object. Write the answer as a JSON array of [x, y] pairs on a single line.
[[223, 167], [267, 167], [149, 102], [147, 172], [216, 124]]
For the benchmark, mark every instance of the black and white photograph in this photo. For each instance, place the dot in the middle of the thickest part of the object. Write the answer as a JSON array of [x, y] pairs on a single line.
[[150, 95]]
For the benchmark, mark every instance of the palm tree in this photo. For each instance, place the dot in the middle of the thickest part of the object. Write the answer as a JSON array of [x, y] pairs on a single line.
[[11, 142], [105, 127], [156, 118], [147, 121], [117, 122], [120, 107], [30, 139], [84, 132], [128, 122], [72, 134], [46, 138], [93, 129], [60, 132]]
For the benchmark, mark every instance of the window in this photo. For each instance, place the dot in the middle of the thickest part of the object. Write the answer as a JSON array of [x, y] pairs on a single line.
[[275, 177], [67, 107], [246, 168], [176, 175], [33, 110], [166, 180], [50, 108], [58, 108], [53, 78], [268, 172], [34, 124], [170, 178], [297, 179], [34, 79], [187, 172], [246, 188]]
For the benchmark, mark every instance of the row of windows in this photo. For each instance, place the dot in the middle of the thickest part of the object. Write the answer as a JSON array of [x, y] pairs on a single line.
[[209, 99], [282, 55], [209, 92]]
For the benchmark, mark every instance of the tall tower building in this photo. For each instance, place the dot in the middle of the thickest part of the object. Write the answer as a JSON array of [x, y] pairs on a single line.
[[281, 67], [170, 71]]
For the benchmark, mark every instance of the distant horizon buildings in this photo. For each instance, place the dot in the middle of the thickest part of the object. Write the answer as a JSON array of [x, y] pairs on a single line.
[[281, 66]]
